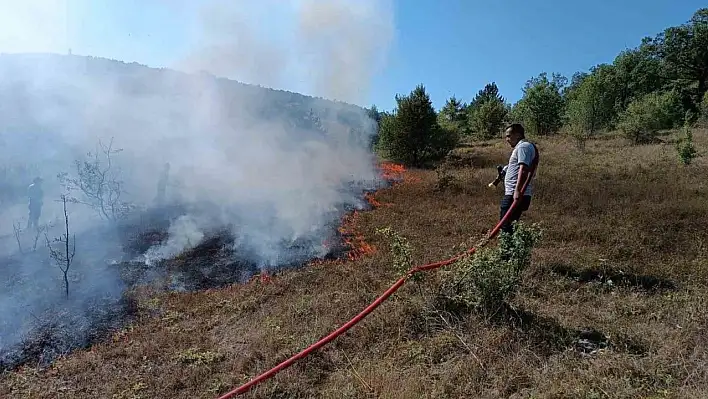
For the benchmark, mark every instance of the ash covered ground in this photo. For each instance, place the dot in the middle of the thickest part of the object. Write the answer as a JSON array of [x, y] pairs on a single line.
[[56, 324]]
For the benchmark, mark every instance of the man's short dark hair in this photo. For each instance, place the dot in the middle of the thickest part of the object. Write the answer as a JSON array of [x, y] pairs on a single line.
[[516, 128]]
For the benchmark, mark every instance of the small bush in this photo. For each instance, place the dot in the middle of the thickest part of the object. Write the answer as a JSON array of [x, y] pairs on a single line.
[[685, 148], [488, 279], [445, 179], [643, 118], [704, 107], [580, 137], [400, 249]]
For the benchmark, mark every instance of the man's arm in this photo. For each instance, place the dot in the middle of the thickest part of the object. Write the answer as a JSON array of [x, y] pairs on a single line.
[[525, 156], [523, 175]]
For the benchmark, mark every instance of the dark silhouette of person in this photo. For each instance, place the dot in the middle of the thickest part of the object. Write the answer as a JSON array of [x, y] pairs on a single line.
[[36, 200], [162, 184]]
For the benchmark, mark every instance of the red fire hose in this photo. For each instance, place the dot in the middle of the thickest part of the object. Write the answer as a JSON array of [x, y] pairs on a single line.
[[334, 334]]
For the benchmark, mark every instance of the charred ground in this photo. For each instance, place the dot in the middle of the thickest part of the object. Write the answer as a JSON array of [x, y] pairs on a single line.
[[612, 305], [61, 325]]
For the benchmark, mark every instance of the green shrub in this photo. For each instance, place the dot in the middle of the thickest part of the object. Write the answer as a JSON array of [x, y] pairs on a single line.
[[685, 148], [643, 118], [579, 135], [488, 279], [400, 249], [446, 180], [704, 107]]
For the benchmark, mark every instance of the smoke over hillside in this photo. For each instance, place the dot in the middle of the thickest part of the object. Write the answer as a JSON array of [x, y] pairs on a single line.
[[330, 49], [274, 168]]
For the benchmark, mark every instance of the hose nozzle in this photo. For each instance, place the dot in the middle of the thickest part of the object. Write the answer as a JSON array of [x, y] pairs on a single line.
[[500, 176]]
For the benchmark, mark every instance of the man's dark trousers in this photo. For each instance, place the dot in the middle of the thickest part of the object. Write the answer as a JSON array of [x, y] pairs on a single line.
[[506, 202]]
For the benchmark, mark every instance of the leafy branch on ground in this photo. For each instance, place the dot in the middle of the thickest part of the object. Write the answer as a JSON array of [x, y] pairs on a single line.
[[195, 357]]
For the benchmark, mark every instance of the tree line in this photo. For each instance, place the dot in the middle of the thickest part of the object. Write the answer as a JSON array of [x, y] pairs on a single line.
[[658, 85]]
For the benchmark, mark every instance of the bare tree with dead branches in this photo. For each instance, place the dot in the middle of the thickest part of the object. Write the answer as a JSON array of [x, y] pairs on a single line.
[[97, 181], [17, 227], [18, 230], [64, 256], [38, 232]]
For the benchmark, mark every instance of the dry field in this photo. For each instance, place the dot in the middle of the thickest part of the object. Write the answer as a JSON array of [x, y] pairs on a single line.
[[623, 258]]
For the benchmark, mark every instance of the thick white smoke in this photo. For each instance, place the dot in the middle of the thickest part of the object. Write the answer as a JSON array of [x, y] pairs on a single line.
[[330, 49], [238, 155], [327, 48]]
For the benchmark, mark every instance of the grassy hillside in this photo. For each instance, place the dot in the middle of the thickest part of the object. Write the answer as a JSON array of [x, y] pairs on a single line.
[[623, 254]]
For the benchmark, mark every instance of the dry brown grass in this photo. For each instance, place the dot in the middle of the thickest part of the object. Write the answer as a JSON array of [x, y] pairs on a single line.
[[614, 208]]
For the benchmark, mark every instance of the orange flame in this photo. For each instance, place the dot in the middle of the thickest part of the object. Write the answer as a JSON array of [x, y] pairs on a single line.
[[264, 278], [353, 239], [371, 199], [392, 171]]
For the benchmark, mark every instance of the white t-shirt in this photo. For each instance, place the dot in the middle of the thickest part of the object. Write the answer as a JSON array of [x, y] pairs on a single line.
[[524, 153]]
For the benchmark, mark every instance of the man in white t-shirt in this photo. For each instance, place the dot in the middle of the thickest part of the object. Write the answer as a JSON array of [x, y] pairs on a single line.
[[523, 156]]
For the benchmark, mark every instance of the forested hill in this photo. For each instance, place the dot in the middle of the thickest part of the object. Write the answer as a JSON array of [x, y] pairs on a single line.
[[54, 108], [45, 76]]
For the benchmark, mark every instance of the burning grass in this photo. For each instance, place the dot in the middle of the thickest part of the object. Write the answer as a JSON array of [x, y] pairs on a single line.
[[349, 229], [612, 305], [354, 239], [392, 171], [396, 173]]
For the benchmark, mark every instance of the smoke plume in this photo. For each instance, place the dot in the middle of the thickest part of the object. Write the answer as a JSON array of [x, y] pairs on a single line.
[[274, 168], [330, 49]]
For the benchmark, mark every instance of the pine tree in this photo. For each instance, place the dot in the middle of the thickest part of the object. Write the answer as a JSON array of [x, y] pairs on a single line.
[[453, 116], [488, 93], [412, 135], [487, 112]]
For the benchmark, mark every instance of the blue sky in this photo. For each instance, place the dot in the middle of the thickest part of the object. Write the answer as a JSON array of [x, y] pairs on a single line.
[[453, 47]]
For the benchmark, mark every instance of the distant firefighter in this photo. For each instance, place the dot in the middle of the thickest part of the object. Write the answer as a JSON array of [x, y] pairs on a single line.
[[162, 184], [36, 198]]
